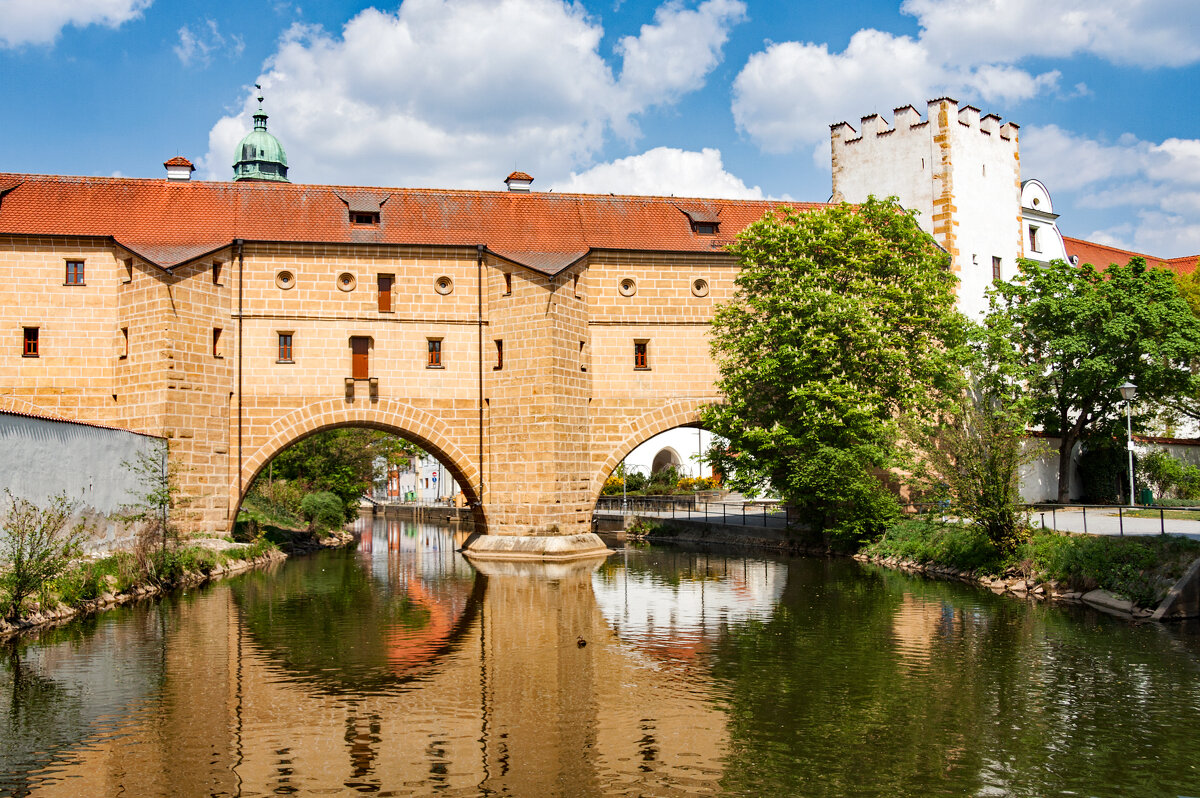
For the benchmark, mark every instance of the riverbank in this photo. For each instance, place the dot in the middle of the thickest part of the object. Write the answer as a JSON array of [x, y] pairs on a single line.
[[92, 586], [1136, 577]]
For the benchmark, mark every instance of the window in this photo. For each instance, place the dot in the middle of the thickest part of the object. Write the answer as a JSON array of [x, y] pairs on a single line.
[[360, 353], [435, 354], [285, 348], [1033, 239], [499, 355], [217, 272], [995, 268], [640, 357], [124, 343], [704, 228], [361, 218], [582, 357], [128, 264], [31, 342], [575, 284], [217, 342], [385, 292], [75, 272], [507, 283]]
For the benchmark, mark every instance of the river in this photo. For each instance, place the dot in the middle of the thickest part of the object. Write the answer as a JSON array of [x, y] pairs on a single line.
[[397, 668]]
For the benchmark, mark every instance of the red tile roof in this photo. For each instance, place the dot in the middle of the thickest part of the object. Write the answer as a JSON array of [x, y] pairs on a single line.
[[1101, 255], [171, 222], [519, 176], [179, 160]]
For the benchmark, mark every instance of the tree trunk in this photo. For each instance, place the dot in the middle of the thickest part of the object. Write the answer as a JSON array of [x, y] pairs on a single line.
[[1064, 469]]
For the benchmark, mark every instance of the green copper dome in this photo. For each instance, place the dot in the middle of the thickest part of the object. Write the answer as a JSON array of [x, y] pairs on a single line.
[[259, 155]]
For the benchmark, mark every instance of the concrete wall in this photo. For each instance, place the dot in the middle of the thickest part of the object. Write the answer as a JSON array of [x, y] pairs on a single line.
[[43, 458]]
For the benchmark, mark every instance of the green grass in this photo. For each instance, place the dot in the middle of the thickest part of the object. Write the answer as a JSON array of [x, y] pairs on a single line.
[[958, 546]]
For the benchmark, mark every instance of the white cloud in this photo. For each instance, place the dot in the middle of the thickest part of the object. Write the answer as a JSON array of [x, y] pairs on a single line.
[[199, 46], [1141, 32], [789, 92], [41, 21], [461, 92], [1155, 187], [662, 171]]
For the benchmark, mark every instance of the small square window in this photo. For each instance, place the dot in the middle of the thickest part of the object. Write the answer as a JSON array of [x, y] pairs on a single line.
[[995, 268], [31, 343], [641, 359], [285, 348], [360, 218], [75, 272], [435, 353], [1033, 239]]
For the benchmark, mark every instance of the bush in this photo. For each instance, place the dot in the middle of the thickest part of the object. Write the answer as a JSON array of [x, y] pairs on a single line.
[[1168, 476], [322, 510], [36, 547], [90, 580]]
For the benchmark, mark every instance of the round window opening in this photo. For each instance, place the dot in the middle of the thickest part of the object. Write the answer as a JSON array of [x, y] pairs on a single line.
[[285, 279], [628, 287], [700, 287], [443, 285], [346, 281]]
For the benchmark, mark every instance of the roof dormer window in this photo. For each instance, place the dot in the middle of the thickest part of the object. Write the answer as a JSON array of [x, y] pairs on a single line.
[[704, 221], [364, 218]]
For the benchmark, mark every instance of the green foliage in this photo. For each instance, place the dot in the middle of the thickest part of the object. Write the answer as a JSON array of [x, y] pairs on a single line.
[[37, 545], [843, 321], [962, 546], [1168, 476], [970, 456], [323, 510], [339, 461], [1083, 332]]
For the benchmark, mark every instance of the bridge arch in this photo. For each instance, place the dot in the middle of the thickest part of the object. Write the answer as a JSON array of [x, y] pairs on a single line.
[[677, 413], [388, 415]]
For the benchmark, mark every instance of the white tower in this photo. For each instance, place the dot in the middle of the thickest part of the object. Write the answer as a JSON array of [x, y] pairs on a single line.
[[960, 172]]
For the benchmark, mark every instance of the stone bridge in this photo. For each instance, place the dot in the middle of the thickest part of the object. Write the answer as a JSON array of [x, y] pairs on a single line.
[[529, 340]]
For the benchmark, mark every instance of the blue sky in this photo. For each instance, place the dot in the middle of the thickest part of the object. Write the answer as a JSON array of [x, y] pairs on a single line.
[[709, 97]]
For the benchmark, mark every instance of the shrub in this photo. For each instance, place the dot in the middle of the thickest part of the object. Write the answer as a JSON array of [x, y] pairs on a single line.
[[1168, 476], [36, 546], [962, 546], [322, 510], [89, 580]]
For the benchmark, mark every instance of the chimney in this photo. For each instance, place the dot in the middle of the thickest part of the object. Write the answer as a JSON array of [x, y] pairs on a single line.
[[518, 181], [179, 168]]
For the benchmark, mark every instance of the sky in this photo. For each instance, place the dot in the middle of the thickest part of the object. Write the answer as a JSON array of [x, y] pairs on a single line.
[[724, 98]]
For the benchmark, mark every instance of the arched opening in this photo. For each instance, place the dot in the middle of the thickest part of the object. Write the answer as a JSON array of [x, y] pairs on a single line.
[[662, 462], [411, 468]]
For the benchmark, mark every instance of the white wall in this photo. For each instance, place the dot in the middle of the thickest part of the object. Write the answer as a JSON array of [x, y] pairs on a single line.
[[42, 458], [684, 440]]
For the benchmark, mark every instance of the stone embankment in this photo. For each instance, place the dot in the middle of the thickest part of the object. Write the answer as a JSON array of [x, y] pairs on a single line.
[[53, 616], [1030, 587]]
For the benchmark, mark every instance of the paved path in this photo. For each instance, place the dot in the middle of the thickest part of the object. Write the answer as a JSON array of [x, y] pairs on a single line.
[[1107, 521]]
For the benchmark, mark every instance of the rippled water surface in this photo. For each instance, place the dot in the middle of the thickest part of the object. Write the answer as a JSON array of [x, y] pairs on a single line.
[[399, 669]]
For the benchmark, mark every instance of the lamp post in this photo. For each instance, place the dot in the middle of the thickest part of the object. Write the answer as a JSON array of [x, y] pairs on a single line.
[[1128, 391], [624, 487]]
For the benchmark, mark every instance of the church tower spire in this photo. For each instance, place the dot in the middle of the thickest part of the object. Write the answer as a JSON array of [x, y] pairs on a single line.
[[259, 155]]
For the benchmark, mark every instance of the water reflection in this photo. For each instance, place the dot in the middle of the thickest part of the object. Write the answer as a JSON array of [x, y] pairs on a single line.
[[400, 669]]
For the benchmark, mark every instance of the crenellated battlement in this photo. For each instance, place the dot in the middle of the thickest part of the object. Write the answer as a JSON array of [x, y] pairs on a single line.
[[907, 119]]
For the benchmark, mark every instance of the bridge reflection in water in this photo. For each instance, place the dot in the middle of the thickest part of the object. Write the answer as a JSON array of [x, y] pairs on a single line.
[[401, 667]]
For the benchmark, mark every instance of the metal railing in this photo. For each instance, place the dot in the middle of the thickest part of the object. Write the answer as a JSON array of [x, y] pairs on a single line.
[[1042, 510], [763, 513]]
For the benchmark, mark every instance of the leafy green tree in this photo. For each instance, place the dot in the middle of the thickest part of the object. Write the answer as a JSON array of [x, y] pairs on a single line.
[[37, 545], [323, 510], [1082, 332], [157, 495], [1187, 404], [843, 321]]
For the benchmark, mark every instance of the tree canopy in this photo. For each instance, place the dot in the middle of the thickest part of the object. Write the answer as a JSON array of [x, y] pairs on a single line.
[[842, 322], [1081, 332]]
